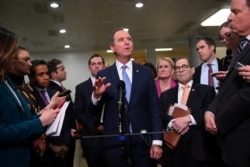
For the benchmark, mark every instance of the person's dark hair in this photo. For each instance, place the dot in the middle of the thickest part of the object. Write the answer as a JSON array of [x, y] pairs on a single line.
[[152, 67], [96, 55], [189, 61], [52, 65], [248, 3], [8, 48], [209, 41], [113, 33], [35, 63]]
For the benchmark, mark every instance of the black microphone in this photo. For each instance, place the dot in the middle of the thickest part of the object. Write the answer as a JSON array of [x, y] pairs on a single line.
[[121, 88]]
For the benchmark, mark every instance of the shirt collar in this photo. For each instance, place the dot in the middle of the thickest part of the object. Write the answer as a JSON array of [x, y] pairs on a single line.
[[189, 84], [128, 64]]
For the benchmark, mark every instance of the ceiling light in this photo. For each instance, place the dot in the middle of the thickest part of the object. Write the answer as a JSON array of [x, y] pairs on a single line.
[[54, 5], [139, 5], [126, 29], [66, 46], [62, 31], [109, 51], [163, 49], [217, 18]]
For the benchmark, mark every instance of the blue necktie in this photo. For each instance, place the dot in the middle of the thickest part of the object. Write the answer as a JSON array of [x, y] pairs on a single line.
[[127, 82]]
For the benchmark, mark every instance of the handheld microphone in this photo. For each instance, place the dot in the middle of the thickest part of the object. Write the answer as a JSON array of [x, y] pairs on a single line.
[[121, 88]]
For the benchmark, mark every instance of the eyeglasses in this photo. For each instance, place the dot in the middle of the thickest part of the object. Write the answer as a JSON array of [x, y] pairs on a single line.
[[179, 68], [226, 36]]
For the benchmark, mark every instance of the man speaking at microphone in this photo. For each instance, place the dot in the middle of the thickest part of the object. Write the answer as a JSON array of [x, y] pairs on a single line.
[[141, 103]]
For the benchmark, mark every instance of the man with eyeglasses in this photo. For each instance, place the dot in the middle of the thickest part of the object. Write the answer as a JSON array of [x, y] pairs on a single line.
[[196, 147], [206, 50]]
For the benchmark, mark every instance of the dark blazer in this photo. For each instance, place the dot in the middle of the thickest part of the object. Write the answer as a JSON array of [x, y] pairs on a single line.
[[17, 128], [143, 110], [232, 116], [199, 145], [68, 124], [92, 147], [197, 74]]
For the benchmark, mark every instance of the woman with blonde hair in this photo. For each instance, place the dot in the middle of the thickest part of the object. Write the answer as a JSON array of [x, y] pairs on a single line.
[[165, 72]]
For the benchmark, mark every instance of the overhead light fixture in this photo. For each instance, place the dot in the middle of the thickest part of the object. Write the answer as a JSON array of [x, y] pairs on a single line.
[[217, 18], [62, 31], [126, 29], [163, 49], [109, 51], [139, 5], [54, 5], [66, 46]]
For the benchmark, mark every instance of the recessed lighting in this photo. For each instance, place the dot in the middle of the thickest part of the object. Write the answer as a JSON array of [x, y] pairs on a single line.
[[217, 18], [139, 5], [163, 49], [66, 46], [109, 51], [62, 31], [126, 29], [54, 5]]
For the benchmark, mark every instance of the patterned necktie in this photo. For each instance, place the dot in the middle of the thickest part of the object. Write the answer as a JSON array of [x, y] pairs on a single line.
[[43, 95], [210, 77], [241, 45], [127, 82], [185, 94]]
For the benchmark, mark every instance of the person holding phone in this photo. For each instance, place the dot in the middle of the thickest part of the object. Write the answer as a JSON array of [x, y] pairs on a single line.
[[17, 125]]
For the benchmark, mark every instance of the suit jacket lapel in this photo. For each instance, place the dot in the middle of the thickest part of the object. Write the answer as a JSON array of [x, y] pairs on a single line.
[[135, 80]]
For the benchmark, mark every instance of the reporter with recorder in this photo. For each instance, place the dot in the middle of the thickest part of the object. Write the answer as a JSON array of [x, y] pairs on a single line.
[[17, 125], [195, 147]]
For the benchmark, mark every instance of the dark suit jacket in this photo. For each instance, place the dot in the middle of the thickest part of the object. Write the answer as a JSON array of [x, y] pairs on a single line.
[[89, 119], [143, 109], [231, 107], [197, 74], [17, 128], [65, 136], [201, 145]]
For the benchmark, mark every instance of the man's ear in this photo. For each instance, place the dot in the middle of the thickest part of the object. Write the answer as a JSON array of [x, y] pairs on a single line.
[[193, 70]]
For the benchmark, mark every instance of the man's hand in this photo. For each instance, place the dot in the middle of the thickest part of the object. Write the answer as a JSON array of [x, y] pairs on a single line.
[[180, 124], [156, 152], [210, 125], [99, 87], [245, 72], [60, 151]]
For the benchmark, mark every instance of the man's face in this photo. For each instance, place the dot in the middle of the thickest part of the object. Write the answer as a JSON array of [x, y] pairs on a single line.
[[96, 65], [239, 17], [123, 45], [60, 73], [41, 78], [184, 73], [22, 63], [204, 51]]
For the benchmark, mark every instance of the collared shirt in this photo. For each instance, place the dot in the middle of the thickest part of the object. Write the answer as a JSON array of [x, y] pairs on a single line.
[[180, 92], [204, 73], [58, 83], [129, 69]]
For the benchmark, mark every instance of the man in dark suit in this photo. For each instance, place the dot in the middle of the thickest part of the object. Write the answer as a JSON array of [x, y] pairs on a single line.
[[56, 146], [57, 74], [196, 147], [141, 107], [92, 125], [228, 115], [206, 50]]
